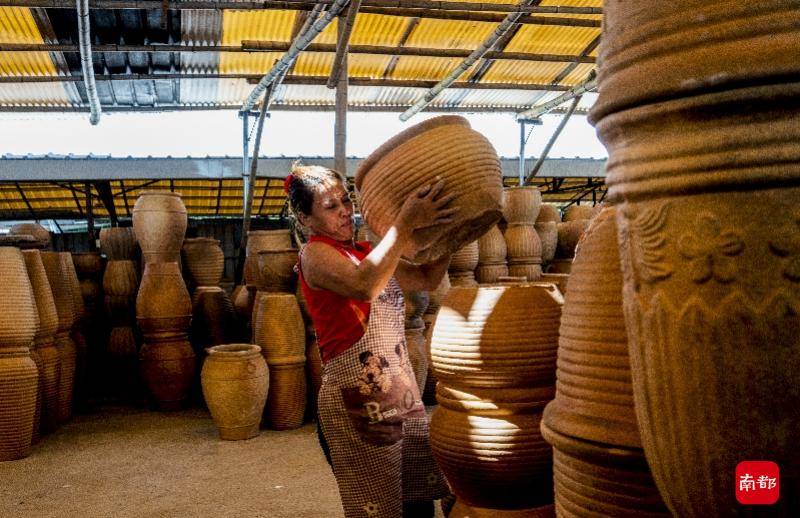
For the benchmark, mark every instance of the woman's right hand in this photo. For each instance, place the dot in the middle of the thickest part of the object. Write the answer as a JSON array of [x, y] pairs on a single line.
[[426, 207]]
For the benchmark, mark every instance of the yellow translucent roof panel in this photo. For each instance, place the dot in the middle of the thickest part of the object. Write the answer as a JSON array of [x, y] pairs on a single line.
[[579, 74], [18, 26], [433, 69], [247, 62], [552, 39], [450, 34], [359, 65], [378, 29], [507, 71], [266, 25]]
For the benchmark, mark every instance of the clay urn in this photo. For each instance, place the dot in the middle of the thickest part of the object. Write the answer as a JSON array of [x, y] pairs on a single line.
[[204, 259], [278, 326], [548, 212], [258, 240], [159, 222], [286, 400], [18, 312], [163, 302], [492, 247], [235, 380], [443, 147], [490, 273], [276, 270], [521, 204], [577, 212], [548, 236], [118, 243], [167, 366]]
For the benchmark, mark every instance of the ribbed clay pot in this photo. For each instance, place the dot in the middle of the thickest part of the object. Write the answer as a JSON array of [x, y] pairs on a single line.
[[444, 147], [417, 354], [18, 314], [19, 383], [118, 243], [163, 302], [490, 273], [167, 367], [704, 166], [482, 339], [523, 243], [547, 213], [569, 234], [465, 259], [204, 259], [235, 380], [548, 237], [278, 325], [492, 247], [530, 270], [258, 240], [521, 204], [313, 370], [41, 234], [212, 317], [276, 270], [488, 444], [159, 221], [88, 264], [121, 278], [286, 401], [599, 462], [578, 212], [68, 357]]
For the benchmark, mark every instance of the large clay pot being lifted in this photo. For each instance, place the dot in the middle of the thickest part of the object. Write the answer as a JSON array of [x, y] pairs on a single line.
[[235, 381], [704, 165], [444, 147], [159, 221]]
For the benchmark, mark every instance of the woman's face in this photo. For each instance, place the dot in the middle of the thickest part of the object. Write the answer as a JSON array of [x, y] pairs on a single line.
[[331, 213]]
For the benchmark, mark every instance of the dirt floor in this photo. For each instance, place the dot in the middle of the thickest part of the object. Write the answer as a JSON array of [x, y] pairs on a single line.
[[124, 462]]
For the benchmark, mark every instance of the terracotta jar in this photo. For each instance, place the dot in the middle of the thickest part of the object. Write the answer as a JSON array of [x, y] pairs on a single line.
[[159, 221], [444, 147], [488, 444], [489, 273], [547, 213], [18, 313], [703, 165], [286, 401], [49, 360], [38, 232], [118, 243], [569, 234], [278, 325], [68, 358], [88, 264], [276, 270], [204, 259], [483, 339], [167, 365], [523, 243], [578, 212], [163, 302], [258, 240], [212, 317], [235, 381], [19, 382], [75, 286], [548, 236], [492, 247], [529, 270], [121, 278], [466, 258], [521, 204]]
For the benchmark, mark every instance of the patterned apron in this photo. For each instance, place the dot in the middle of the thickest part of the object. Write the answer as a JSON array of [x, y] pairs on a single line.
[[372, 416]]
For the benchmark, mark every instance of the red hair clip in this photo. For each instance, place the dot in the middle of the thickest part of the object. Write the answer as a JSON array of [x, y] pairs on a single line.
[[287, 183]]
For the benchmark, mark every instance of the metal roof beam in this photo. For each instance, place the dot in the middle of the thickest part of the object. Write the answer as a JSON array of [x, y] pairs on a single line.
[[87, 68], [576, 91], [103, 189]]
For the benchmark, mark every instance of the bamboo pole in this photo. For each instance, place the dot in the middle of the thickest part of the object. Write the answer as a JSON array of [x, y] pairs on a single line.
[[342, 45], [576, 91], [340, 123], [85, 44]]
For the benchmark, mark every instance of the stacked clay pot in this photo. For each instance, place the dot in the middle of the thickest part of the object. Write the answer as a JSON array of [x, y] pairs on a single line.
[[257, 241], [493, 350], [492, 254], [159, 222], [58, 277], [416, 303], [435, 299], [704, 168], [463, 264], [599, 465], [235, 380], [524, 249], [41, 235], [44, 351], [279, 330], [89, 267], [164, 314], [443, 147], [120, 285], [313, 357], [77, 333], [19, 378]]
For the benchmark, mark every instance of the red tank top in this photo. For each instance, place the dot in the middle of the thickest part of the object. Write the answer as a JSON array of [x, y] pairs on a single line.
[[338, 321]]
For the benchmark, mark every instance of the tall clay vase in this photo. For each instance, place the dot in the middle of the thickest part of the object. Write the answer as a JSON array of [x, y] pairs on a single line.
[[278, 326], [167, 364], [445, 147], [591, 423], [19, 379], [259, 240], [48, 362], [163, 302], [463, 264], [286, 400], [492, 247], [118, 243], [521, 204], [704, 165], [159, 222], [235, 380], [204, 259]]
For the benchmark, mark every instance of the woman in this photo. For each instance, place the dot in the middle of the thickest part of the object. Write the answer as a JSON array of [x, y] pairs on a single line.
[[370, 409]]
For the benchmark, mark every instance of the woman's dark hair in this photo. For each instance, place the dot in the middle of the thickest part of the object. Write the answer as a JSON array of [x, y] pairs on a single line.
[[303, 183]]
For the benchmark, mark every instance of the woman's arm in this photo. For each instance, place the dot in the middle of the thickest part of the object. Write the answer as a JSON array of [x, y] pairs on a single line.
[[326, 268], [421, 277]]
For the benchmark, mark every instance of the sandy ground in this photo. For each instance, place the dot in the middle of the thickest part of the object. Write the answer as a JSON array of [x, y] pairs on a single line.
[[134, 463]]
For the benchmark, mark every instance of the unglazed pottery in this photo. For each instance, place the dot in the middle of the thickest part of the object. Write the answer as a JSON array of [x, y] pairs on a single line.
[[444, 148], [547, 213], [204, 259], [167, 367], [576, 212], [159, 222], [548, 236], [276, 270], [258, 240], [286, 401], [18, 314], [278, 326], [38, 232], [492, 247], [521, 204], [19, 383], [118, 243], [163, 302], [569, 234]]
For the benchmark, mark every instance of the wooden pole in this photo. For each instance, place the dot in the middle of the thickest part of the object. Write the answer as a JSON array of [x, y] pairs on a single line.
[[345, 28], [340, 124]]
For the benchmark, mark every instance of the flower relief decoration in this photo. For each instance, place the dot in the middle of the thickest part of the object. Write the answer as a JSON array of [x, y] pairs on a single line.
[[711, 250], [787, 244]]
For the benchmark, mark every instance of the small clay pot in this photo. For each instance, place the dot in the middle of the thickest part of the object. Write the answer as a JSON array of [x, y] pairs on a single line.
[[204, 259], [521, 204], [235, 380], [118, 243], [159, 222], [276, 270], [577, 212], [548, 213]]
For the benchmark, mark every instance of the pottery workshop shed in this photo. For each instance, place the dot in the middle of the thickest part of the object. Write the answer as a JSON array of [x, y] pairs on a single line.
[[580, 336]]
